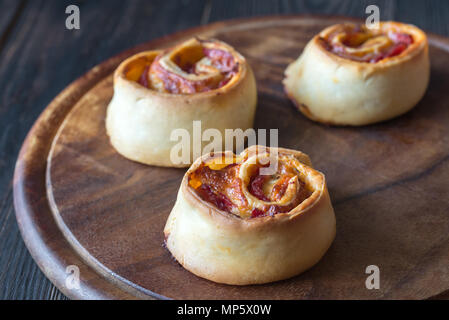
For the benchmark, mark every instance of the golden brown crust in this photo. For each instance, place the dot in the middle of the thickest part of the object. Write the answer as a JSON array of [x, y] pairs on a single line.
[[194, 66], [418, 44], [248, 251], [141, 120], [342, 91]]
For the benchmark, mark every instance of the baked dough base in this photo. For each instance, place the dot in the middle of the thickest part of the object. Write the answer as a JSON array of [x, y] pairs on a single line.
[[225, 248]]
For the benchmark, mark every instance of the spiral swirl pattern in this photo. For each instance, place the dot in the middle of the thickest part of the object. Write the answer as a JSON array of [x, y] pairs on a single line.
[[192, 67], [243, 188], [358, 43]]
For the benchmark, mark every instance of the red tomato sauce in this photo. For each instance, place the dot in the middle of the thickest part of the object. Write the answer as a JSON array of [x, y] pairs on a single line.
[[223, 189], [399, 42], [175, 83]]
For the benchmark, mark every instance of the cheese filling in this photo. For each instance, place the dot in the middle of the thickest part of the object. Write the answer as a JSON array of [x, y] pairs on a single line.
[[192, 67], [242, 188], [358, 43]]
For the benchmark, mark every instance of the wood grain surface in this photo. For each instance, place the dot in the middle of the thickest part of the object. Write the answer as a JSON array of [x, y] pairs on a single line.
[[388, 183], [40, 57]]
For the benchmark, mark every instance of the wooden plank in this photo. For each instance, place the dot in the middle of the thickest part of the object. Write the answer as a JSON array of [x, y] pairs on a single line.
[[10, 10], [232, 9], [430, 15]]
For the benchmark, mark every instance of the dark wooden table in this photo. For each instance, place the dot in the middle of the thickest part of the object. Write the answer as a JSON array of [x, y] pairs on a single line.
[[40, 57]]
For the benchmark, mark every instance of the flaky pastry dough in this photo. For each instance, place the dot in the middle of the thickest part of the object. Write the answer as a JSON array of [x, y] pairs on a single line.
[[349, 75], [208, 237], [157, 92]]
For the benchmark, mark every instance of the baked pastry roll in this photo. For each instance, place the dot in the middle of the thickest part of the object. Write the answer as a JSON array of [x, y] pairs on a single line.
[[351, 75], [156, 92], [237, 224]]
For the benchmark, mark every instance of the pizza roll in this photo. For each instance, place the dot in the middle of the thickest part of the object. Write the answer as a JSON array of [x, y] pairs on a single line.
[[261, 216], [351, 75], [157, 92]]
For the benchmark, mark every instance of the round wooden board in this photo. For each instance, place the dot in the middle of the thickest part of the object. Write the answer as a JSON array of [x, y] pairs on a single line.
[[80, 203]]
